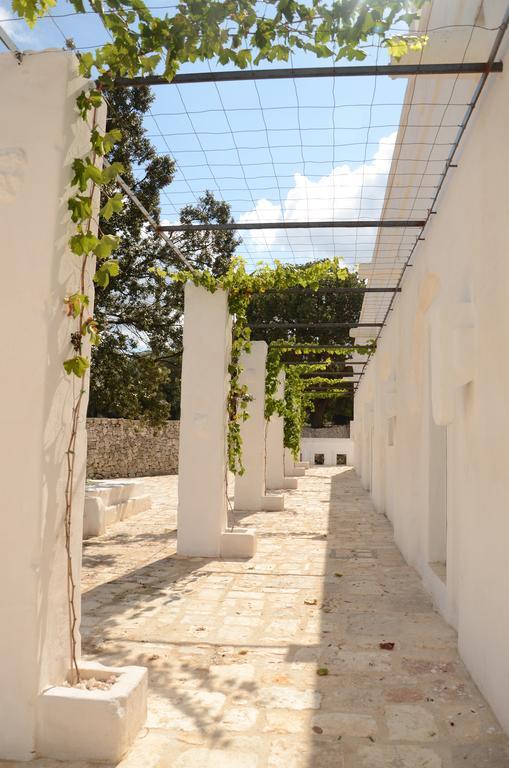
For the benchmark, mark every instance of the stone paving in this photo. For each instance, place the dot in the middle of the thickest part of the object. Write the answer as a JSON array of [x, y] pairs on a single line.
[[286, 660]]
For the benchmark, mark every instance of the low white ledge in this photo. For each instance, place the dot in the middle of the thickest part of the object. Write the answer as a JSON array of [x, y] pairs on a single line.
[[241, 542], [76, 724], [296, 471], [108, 502], [291, 483], [274, 503], [303, 464]]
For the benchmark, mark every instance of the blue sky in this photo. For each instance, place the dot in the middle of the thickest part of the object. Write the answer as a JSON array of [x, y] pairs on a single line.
[[295, 150]]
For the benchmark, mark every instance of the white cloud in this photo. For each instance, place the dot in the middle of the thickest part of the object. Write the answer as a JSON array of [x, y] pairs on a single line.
[[17, 30], [346, 193], [265, 211]]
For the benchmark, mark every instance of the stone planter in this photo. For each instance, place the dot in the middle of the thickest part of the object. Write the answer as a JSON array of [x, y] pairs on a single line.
[[241, 542], [96, 725]]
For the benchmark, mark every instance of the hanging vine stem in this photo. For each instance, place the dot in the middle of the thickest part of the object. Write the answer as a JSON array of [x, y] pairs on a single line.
[[77, 340], [88, 177]]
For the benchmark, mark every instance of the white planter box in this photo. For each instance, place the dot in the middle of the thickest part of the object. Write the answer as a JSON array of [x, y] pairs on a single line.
[[241, 542], [75, 724]]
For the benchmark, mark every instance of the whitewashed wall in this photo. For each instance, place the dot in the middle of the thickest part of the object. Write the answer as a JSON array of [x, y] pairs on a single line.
[[40, 135], [329, 446], [431, 415]]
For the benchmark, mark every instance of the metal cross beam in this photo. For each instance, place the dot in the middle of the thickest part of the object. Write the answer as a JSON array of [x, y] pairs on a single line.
[[6, 40], [284, 325], [285, 73], [346, 224], [331, 289]]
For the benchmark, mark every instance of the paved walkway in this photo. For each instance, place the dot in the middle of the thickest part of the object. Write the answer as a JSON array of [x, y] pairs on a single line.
[[277, 662]]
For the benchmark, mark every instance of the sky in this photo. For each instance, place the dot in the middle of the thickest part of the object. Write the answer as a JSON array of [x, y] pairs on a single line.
[[287, 150]]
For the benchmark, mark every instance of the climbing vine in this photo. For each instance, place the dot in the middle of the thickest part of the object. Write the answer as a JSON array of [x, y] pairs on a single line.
[[298, 398], [241, 286]]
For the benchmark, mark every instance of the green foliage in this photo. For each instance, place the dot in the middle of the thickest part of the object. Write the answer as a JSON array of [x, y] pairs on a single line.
[[294, 410], [77, 365], [241, 287], [105, 271], [235, 32]]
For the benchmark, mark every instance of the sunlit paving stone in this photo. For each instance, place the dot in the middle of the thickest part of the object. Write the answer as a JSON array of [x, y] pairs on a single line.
[[323, 651]]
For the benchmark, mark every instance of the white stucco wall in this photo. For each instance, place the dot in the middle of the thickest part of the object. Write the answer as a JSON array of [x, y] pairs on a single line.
[[431, 414], [40, 135], [329, 446]]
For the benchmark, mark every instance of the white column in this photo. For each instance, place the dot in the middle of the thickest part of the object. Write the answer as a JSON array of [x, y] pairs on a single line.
[[250, 487], [292, 469], [40, 135], [202, 514], [274, 465]]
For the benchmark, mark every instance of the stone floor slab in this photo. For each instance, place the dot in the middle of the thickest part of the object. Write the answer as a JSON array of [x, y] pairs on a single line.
[[275, 662]]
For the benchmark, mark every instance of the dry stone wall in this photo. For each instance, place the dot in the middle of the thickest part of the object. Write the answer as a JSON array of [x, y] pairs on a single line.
[[126, 448], [339, 430]]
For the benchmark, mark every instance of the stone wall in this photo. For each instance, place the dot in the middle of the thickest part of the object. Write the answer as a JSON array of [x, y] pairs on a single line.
[[339, 430], [125, 448]]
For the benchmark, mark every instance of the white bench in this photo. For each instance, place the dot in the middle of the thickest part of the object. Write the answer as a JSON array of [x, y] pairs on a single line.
[[109, 501]]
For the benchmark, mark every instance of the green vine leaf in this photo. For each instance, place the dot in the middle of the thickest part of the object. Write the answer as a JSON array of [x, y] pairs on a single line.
[[106, 270], [75, 303], [105, 246], [112, 205], [87, 100], [83, 243], [80, 207], [32, 10], [77, 365]]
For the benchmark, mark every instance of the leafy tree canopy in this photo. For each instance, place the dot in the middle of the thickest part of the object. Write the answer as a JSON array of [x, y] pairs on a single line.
[[136, 367]]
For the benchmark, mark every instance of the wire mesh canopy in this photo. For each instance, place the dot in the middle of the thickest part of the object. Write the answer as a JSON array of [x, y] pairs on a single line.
[[324, 163]]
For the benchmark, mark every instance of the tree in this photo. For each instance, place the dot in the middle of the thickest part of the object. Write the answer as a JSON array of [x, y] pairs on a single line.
[[136, 367], [323, 306]]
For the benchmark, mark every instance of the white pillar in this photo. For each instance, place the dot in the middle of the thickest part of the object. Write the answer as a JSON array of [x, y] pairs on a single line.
[[274, 465], [250, 487], [202, 514], [40, 135], [291, 468]]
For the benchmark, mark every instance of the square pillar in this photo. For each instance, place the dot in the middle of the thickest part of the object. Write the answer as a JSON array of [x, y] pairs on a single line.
[[274, 465], [250, 487], [292, 469], [41, 133], [202, 515]]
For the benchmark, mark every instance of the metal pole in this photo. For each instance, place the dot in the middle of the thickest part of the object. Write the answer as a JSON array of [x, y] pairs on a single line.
[[346, 224], [285, 73]]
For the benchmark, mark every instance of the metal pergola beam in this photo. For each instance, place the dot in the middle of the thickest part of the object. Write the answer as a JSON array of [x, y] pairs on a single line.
[[6, 40], [347, 224], [299, 345], [330, 289], [491, 66], [285, 73], [337, 371], [283, 325]]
